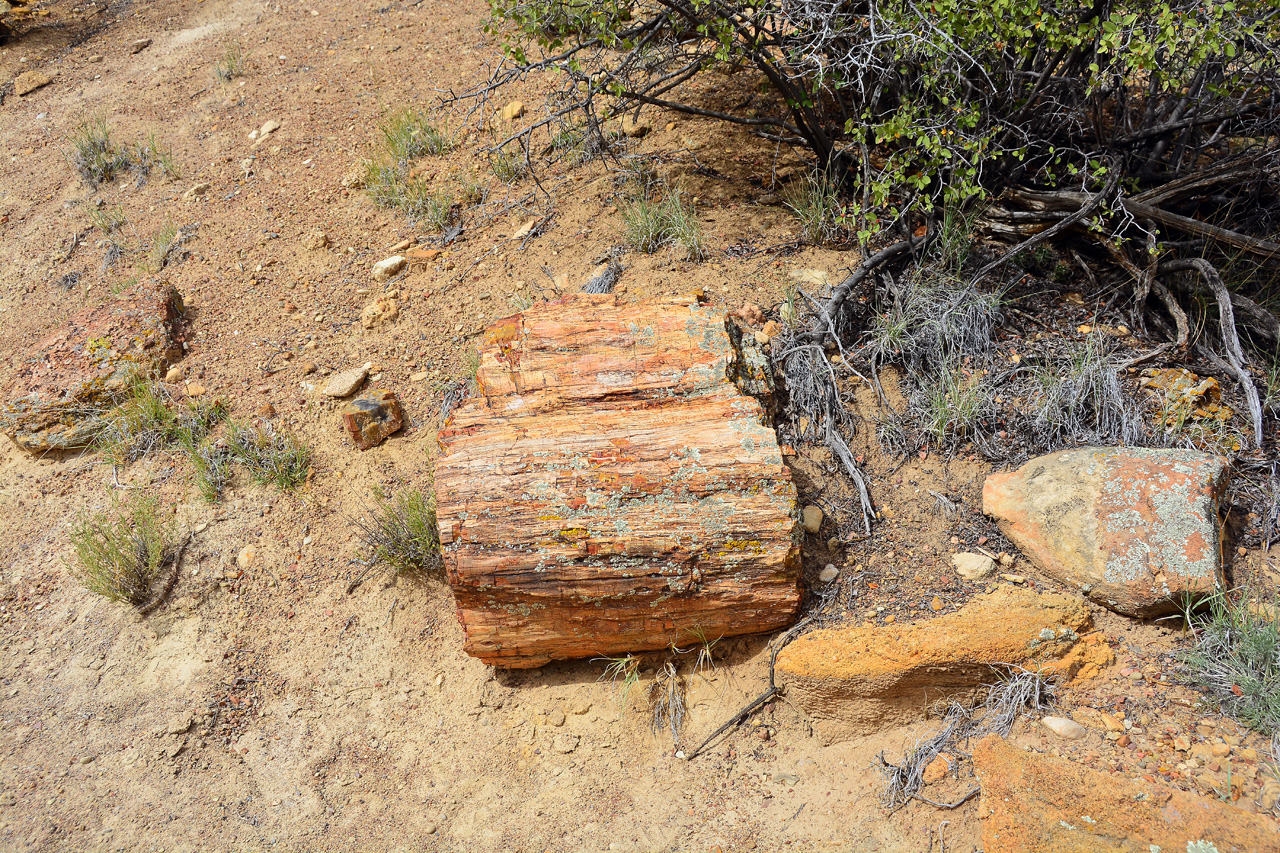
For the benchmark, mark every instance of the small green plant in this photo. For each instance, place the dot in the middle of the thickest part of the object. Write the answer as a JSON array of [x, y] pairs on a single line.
[[948, 405], [107, 219], [97, 158], [165, 244], [623, 673], [232, 64], [270, 455], [1235, 658], [508, 164], [1079, 399], [124, 284], [402, 533], [815, 201], [148, 421], [212, 465], [651, 225], [122, 554], [408, 134]]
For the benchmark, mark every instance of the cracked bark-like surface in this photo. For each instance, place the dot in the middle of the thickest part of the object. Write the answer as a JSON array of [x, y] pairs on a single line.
[[609, 489]]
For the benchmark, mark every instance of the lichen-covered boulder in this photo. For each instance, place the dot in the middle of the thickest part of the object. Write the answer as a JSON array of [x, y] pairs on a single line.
[[62, 388], [1134, 529]]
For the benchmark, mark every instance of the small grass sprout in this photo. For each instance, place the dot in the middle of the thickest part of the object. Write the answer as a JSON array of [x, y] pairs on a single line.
[[123, 554], [623, 673], [815, 201], [232, 64], [653, 224], [667, 706]]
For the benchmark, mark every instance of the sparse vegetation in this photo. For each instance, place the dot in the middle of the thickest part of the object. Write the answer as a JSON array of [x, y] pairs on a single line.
[[408, 134], [272, 457], [232, 64], [1235, 658], [623, 673], [667, 708], [508, 164], [122, 554], [652, 225], [389, 176], [815, 201], [1079, 400], [148, 421], [165, 244], [402, 533], [98, 159]]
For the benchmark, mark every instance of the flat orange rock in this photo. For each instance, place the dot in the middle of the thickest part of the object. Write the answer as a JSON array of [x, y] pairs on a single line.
[[609, 488]]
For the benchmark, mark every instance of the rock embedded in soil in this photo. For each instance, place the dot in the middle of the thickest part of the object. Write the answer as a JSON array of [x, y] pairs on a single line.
[[1033, 803], [28, 81], [609, 488], [1064, 728], [387, 268], [345, 383], [1134, 529], [856, 681], [373, 416], [63, 385], [384, 309], [973, 567], [811, 518]]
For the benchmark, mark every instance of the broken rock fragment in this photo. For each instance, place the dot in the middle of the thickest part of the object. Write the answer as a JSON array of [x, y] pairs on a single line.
[[64, 384], [371, 417], [609, 489], [1134, 529]]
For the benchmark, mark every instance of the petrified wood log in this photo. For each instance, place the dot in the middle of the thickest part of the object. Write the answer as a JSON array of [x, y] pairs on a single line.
[[609, 489]]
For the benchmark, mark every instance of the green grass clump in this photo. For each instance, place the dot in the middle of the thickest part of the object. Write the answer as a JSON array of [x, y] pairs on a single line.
[[232, 64], [148, 421], [272, 457], [1236, 657], [948, 406], [164, 247], [508, 164], [815, 201], [651, 225], [402, 533], [409, 134], [99, 159], [122, 554]]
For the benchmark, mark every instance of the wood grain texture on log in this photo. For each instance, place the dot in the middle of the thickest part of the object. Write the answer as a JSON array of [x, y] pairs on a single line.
[[609, 489]]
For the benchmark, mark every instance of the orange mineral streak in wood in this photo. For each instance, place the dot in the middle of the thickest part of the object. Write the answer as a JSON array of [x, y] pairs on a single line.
[[609, 489]]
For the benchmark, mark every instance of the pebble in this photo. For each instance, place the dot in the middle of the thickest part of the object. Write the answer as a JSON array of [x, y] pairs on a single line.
[[556, 718], [429, 829], [95, 59], [512, 111], [195, 389], [195, 192], [1018, 579], [829, 573], [384, 269], [140, 45], [345, 383], [1065, 728], [175, 374], [418, 377], [246, 556], [308, 367], [973, 566], [936, 604], [812, 519]]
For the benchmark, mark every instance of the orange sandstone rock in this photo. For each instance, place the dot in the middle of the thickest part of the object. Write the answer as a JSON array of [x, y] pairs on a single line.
[[855, 681]]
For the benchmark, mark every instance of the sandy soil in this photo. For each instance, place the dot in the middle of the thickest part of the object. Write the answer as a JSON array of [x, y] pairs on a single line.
[[265, 707]]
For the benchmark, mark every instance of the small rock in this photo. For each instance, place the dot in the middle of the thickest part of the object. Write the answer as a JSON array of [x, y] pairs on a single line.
[[196, 192], [179, 724], [761, 338], [195, 389], [556, 718], [771, 329], [1065, 728], [565, 743], [936, 604], [140, 45], [246, 556], [388, 267], [175, 374], [429, 829], [401, 246], [937, 769], [580, 708], [345, 383], [829, 573], [353, 179], [812, 519], [812, 278], [973, 567], [420, 376], [1269, 795], [317, 240], [94, 59], [370, 418], [269, 126], [635, 129], [1013, 578], [751, 314], [28, 81], [512, 111], [266, 410], [384, 309], [86, 759], [307, 367]]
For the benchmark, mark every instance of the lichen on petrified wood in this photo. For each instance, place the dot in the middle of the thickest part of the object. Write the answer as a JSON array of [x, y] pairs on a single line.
[[609, 489]]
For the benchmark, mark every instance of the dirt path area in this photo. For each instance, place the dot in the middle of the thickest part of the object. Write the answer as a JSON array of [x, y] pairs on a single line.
[[264, 706]]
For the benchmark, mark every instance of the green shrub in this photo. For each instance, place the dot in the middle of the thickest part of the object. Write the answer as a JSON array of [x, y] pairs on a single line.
[[651, 225], [1235, 658], [123, 553], [270, 455], [402, 533]]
